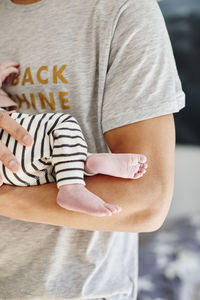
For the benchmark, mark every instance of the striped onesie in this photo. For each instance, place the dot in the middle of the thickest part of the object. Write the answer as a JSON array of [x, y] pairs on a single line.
[[58, 153]]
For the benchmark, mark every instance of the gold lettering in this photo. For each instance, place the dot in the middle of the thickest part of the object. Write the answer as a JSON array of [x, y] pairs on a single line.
[[15, 79], [64, 100], [58, 74], [27, 76], [40, 80], [23, 100], [33, 100], [44, 100]]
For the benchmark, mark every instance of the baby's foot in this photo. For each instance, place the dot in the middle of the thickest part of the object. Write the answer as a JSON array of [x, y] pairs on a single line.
[[76, 197], [124, 165]]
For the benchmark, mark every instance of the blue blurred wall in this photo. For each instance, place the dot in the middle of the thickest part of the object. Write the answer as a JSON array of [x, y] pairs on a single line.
[[183, 22]]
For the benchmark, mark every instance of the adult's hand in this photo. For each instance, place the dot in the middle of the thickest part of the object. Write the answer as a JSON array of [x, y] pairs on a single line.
[[19, 133]]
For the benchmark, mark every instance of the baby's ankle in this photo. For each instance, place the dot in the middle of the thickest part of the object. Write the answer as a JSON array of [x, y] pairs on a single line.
[[71, 187]]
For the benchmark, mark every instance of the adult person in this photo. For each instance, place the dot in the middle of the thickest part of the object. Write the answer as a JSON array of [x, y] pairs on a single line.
[[110, 64]]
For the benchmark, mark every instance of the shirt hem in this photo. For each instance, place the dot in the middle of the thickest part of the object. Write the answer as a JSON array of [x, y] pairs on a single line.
[[144, 113]]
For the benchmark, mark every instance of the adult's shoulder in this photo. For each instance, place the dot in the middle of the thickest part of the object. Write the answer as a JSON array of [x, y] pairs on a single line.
[[109, 5], [130, 12], [105, 8], [120, 5]]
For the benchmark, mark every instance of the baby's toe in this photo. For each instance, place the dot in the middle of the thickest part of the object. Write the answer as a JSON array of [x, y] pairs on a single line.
[[113, 208], [138, 175], [143, 166], [142, 159], [141, 171]]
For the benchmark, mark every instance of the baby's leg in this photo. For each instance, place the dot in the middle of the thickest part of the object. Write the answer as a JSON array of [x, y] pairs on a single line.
[[77, 198], [123, 165], [69, 152]]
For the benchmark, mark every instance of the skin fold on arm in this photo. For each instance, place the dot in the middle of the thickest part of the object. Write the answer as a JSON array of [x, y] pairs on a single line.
[[145, 202]]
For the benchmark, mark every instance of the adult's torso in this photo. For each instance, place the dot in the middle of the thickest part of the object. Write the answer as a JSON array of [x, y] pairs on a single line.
[[63, 50]]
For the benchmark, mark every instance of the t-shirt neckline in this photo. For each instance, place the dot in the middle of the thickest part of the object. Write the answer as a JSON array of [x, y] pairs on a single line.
[[25, 7]]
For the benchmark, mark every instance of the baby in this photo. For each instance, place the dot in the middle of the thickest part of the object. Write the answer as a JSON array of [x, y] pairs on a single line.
[[59, 153]]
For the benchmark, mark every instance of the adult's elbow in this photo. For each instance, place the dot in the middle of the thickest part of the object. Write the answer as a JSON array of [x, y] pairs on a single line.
[[158, 211]]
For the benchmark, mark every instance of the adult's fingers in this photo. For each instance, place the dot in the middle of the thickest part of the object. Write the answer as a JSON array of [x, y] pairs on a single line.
[[19, 133], [15, 129], [8, 159]]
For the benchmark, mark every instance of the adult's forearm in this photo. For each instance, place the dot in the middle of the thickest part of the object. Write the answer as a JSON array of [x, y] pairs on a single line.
[[38, 204], [145, 201]]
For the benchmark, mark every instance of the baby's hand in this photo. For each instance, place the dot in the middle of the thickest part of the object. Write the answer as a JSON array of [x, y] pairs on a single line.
[[6, 69]]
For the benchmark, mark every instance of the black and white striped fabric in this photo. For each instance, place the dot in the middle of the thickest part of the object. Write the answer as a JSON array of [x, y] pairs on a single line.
[[57, 154]]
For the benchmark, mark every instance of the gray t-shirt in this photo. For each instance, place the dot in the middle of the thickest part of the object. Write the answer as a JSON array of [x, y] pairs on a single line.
[[108, 63]]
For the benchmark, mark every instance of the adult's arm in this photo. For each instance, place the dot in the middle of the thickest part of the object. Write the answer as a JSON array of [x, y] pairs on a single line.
[[145, 201]]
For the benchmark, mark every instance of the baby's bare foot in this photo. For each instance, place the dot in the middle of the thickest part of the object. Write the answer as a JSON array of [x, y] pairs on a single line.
[[124, 165], [76, 197]]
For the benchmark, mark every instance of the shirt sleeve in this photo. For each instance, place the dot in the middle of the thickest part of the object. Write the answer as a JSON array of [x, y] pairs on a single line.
[[142, 80]]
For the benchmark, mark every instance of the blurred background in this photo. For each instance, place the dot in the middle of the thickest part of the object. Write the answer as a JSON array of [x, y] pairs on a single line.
[[169, 259]]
